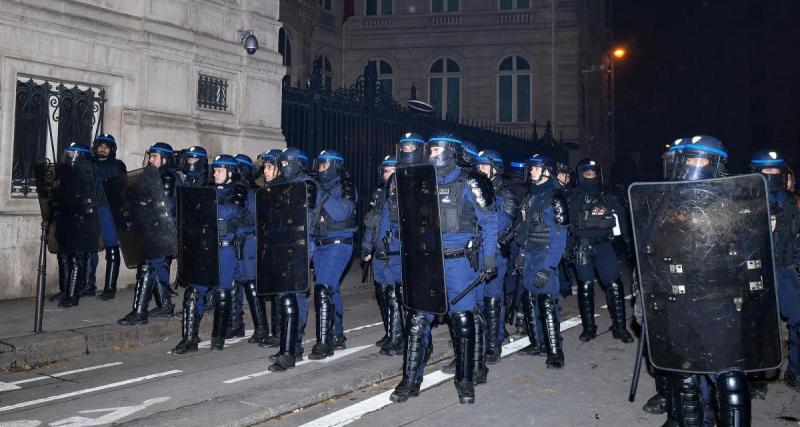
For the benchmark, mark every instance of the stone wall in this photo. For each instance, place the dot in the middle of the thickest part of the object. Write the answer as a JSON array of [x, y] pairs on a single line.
[[147, 55]]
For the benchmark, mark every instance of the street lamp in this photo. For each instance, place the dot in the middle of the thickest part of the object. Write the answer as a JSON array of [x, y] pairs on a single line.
[[619, 52]]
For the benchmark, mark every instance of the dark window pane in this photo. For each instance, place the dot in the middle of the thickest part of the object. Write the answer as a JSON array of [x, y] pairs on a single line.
[[452, 66], [326, 64], [437, 6], [507, 64], [436, 95], [386, 85], [523, 4], [370, 64], [452, 5], [372, 7], [386, 68], [524, 98], [386, 8], [522, 64], [453, 98], [504, 98], [438, 66], [506, 4]]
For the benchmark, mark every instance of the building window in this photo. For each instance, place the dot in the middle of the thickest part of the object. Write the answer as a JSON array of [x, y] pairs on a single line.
[[444, 88], [379, 7], [514, 90], [326, 4], [327, 72], [385, 74], [514, 4], [48, 117], [285, 49], [212, 93], [441, 6]]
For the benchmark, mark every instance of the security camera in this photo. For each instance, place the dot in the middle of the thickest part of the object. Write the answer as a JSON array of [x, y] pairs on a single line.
[[249, 41]]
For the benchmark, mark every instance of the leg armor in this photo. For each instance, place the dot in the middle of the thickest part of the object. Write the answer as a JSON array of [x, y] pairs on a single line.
[[659, 403], [223, 301], [586, 307], [687, 405], [236, 321], [323, 304], [494, 321], [733, 397], [258, 311], [141, 294], [288, 319], [552, 331], [163, 299], [414, 359], [394, 314], [481, 371], [615, 297], [112, 273], [190, 326], [535, 348], [464, 325], [380, 297]]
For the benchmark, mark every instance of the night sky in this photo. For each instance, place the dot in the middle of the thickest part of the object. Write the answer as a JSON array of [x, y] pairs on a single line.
[[726, 68]]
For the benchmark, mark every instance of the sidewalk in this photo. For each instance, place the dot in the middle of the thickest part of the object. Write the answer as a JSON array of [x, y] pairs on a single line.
[[91, 327]]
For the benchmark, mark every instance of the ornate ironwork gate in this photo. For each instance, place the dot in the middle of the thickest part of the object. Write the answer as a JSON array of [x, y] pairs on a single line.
[[77, 112]]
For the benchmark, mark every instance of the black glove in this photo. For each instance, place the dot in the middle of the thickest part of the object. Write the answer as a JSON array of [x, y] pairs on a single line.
[[348, 191], [489, 267], [239, 196], [541, 277]]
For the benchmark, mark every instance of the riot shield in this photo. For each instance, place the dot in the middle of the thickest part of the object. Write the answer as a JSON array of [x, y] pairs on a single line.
[[704, 255], [68, 202], [198, 236], [282, 262], [421, 249], [142, 216]]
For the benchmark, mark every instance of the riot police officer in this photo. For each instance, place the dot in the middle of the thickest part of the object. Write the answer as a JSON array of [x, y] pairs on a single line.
[[75, 265], [244, 282], [293, 306], [490, 163], [467, 218], [152, 275], [786, 228], [596, 218], [376, 248], [541, 237], [334, 227], [269, 167], [194, 166], [106, 166], [231, 202]]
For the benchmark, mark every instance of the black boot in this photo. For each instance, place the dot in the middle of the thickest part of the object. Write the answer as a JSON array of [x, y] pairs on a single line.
[[380, 297], [658, 404], [63, 277], [790, 377], [191, 322], [79, 264], [112, 272], [481, 370], [141, 294], [273, 340], [450, 369], [615, 298], [288, 319], [492, 311], [586, 307], [687, 405], [394, 314], [258, 311], [733, 397], [464, 324], [413, 359], [89, 287], [535, 348], [223, 300], [236, 321], [163, 299], [548, 311], [323, 304]]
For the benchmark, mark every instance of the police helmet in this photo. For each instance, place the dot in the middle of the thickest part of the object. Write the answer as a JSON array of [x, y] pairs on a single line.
[[76, 152], [703, 157], [334, 159], [293, 162], [194, 152], [491, 158], [542, 161], [246, 168], [589, 165], [107, 140], [451, 146], [771, 160], [410, 149], [166, 153], [668, 158]]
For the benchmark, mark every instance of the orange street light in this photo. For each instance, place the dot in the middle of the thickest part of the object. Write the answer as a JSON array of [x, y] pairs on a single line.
[[619, 52]]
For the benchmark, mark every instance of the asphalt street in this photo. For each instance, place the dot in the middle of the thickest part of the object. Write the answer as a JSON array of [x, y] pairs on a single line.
[[148, 386]]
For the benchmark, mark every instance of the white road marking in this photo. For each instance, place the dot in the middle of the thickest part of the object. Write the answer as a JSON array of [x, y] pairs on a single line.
[[338, 355], [113, 415], [8, 387], [63, 374], [355, 412], [88, 390]]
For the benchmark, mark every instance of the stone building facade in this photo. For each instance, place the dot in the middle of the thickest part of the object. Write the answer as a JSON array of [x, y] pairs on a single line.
[[147, 56], [504, 62]]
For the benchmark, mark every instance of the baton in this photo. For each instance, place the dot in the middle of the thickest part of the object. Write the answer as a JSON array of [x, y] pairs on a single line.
[[637, 366], [469, 289]]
